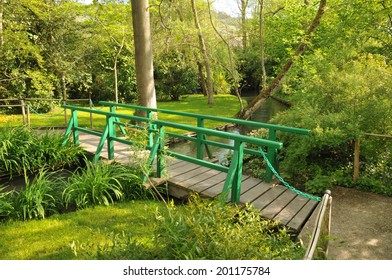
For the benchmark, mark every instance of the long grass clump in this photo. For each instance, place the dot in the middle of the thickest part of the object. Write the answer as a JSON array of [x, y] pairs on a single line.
[[49, 193], [102, 184], [22, 150]]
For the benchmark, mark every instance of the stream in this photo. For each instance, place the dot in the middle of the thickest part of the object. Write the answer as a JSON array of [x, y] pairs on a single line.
[[268, 109]]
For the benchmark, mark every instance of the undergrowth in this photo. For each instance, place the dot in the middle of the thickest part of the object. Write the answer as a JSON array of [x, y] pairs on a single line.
[[202, 229]]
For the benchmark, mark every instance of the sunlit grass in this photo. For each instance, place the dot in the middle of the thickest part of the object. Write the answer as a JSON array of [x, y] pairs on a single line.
[[225, 106], [53, 237]]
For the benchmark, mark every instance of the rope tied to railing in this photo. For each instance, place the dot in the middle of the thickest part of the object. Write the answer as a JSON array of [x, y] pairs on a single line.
[[287, 185]]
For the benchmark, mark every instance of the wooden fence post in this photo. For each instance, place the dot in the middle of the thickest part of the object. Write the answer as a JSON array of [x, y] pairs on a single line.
[[65, 112], [22, 104], [28, 115]]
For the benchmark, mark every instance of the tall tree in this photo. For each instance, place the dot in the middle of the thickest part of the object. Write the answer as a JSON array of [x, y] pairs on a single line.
[[1, 23], [203, 49], [262, 52], [232, 71], [243, 5], [275, 83], [143, 53]]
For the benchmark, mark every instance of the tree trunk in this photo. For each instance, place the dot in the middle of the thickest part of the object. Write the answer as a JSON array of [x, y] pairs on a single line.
[[143, 53], [232, 71], [261, 34], [243, 7], [274, 85], [1, 23], [203, 49], [115, 70], [202, 80]]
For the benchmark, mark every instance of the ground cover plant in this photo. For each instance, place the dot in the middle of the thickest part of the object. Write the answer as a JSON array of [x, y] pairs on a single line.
[[52, 238], [91, 185], [146, 229], [22, 150]]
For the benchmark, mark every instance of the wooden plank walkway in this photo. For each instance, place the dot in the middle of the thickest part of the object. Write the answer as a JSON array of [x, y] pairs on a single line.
[[275, 202]]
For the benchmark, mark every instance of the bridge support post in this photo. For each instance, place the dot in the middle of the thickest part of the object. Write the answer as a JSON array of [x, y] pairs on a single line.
[[75, 124], [234, 176], [200, 138], [111, 133]]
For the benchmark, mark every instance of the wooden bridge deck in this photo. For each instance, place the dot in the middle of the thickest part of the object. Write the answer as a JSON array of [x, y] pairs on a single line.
[[274, 201]]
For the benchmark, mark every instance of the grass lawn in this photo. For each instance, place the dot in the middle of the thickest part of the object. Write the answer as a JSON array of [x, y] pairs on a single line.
[[225, 106], [52, 238]]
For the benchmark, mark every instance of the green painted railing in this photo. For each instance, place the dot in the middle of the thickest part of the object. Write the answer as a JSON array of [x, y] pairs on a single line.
[[202, 143], [156, 140]]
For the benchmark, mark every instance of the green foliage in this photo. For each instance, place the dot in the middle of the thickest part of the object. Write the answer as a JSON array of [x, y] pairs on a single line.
[[174, 76], [51, 238], [318, 185], [98, 184], [340, 105], [22, 149], [204, 229], [37, 199], [6, 207]]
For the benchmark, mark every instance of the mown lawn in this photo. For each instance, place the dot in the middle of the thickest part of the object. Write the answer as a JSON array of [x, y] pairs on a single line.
[[225, 106], [52, 238]]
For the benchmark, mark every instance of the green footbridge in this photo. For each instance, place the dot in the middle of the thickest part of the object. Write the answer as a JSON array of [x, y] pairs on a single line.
[[275, 198]]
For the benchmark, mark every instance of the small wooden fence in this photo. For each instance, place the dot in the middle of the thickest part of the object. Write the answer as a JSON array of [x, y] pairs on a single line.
[[156, 130], [26, 108]]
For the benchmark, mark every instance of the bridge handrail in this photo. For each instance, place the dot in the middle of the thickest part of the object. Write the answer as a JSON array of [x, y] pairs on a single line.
[[212, 132], [213, 118], [156, 134]]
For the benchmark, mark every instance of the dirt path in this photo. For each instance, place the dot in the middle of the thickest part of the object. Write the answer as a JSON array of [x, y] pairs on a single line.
[[361, 226]]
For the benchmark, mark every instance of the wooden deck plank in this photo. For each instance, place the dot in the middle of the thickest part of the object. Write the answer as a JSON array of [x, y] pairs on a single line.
[[216, 190], [254, 193], [289, 212], [181, 177], [209, 182], [172, 172], [206, 175], [302, 216], [276, 206], [265, 199]]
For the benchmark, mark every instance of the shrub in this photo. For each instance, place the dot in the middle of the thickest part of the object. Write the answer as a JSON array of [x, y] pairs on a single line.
[[202, 229], [22, 149], [37, 200], [6, 207], [97, 184]]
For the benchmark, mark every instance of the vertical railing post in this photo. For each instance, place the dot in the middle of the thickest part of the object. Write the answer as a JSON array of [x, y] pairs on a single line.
[[160, 153], [234, 175], [111, 134], [236, 188], [75, 125], [200, 138], [272, 157], [150, 129], [113, 110]]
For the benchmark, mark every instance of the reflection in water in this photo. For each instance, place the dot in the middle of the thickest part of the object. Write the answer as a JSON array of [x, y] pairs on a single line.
[[268, 109]]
